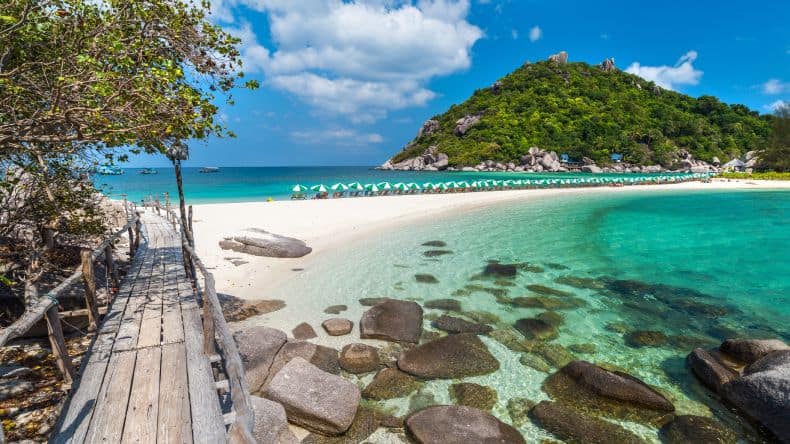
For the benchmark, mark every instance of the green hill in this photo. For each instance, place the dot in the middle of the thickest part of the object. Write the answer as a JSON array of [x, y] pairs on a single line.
[[589, 111]]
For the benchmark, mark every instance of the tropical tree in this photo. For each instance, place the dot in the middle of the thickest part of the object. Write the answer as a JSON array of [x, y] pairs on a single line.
[[776, 156]]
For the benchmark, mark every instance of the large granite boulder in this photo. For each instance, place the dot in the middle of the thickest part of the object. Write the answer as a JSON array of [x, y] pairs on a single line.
[[338, 326], [359, 358], [453, 424], [571, 425], [763, 393], [591, 169], [262, 243], [271, 423], [559, 58], [325, 358], [697, 429], [749, 350], [454, 356], [258, 347], [391, 383], [710, 370], [429, 127], [392, 320], [314, 399]]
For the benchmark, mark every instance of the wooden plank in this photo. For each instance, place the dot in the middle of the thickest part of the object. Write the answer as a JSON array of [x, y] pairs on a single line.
[[143, 410], [111, 403], [207, 423], [89, 282], [151, 323], [175, 423], [172, 326]]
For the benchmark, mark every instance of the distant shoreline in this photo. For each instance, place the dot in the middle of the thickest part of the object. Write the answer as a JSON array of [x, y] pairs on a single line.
[[335, 223]]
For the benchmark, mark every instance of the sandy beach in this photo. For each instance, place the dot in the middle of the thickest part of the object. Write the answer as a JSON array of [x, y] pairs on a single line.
[[333, 223]]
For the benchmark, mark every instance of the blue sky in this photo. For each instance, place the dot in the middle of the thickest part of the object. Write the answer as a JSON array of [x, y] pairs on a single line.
[[349, 83]]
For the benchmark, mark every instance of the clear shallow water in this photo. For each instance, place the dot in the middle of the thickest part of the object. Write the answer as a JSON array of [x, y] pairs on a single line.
[[238, 184], [697, 266]]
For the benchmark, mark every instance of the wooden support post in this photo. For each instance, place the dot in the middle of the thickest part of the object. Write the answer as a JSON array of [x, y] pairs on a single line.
[[191, 233], [90, 288], [137, 227], [58, 344], [112, 272], [208, 326], [131, 242]]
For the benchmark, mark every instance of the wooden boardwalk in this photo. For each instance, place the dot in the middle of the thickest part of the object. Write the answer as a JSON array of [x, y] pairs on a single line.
[[146, 378]]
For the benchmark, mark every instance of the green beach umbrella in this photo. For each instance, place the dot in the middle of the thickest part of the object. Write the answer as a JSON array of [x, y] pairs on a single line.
[[413, 186], [356, 186], [299, 189], [400, 186], [371, 187], [339, 187], [463, 184], [319, 188], [442, 186], [384, 185]]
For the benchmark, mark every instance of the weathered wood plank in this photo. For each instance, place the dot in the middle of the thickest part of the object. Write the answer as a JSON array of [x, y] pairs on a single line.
[[143, 410], [111, 402], [175, 424], [172, 326], [89, 281]]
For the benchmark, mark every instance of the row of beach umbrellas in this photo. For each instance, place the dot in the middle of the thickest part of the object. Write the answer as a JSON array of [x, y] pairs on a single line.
[[357, 187]]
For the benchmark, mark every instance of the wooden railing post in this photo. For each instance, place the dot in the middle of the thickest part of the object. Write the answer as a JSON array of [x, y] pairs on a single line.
[[111, 270], [58, 344], [131, 242], [137, 227], [90, 288]]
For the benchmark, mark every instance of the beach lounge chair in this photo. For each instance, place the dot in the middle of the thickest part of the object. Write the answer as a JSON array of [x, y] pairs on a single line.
[[298, 196]]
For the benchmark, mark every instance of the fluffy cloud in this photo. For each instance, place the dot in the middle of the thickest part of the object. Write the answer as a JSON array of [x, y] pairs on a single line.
[[682, 73], [341, 137], [535, 34], [773, 107], [360, 58], [775, 86]]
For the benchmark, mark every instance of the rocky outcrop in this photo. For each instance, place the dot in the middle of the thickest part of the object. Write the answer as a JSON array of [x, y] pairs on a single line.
[[271, 423], [429, 159], [607, 65], [710, 370], [559, 58], [392, 320], [262, 243], [453, 424], [428, 128], [258, 347], [325, 358], [314, 399], [749, 350], [454, 356], [690, 428], [463, 124]]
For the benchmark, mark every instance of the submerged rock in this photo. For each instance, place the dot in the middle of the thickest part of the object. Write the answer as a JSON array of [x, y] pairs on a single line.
[[500, 270], [436, 253], [335, 309], [473, 395], [359, 358], [749, 350], [536, 329], [443, 304], [392, 320], [555, 354], [483, 317], [451, 424], [452, 324], [365, 422], [314, 399], [697, 429], [646, 338], [709, 369], [426, 279], [435, 243], [587, 348], [571, 425], [535, 361], [547, 291], [421, 400], [548, 303], [551, 317], [512, 339], [238, 309], [391, 383], [518, 409], [580, 282], [454, 356], [609, 393], [369, 302], [303, 331]]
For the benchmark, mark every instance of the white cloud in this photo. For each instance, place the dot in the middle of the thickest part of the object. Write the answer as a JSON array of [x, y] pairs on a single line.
[[535, 34], [365, 57], [338, 136], [775, 86], [514, 34], [773, 107], [682, 73]]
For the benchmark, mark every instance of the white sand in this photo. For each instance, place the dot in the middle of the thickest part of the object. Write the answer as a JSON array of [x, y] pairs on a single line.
[[332, 223]]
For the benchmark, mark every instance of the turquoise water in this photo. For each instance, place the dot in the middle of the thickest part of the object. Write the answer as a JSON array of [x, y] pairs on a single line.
[[240, 184], [696, 266]]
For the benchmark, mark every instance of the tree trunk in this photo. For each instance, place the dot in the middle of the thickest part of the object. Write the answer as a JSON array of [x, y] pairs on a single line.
[[185, 227]]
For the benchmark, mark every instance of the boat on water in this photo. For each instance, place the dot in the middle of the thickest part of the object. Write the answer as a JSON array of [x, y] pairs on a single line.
[[148, 171], [109, 170], [209, 170]]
